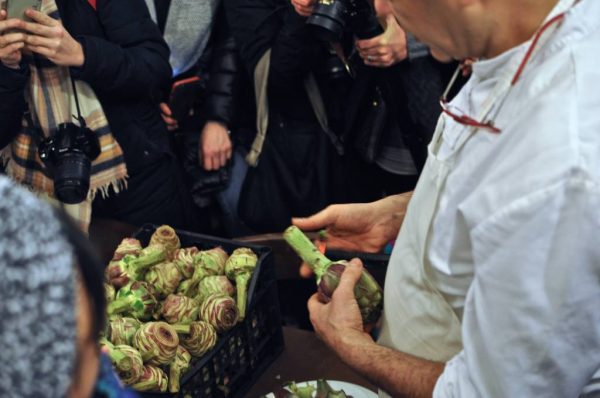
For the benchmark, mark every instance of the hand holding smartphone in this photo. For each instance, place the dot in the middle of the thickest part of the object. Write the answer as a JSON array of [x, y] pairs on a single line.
[[17, 8]]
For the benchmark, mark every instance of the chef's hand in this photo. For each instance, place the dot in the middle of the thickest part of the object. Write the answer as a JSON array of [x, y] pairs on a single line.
[[339, 321], [167, 116], [387, 49], [215, 146], [304, 7], [361, 227], [48, 37], [11, 44]]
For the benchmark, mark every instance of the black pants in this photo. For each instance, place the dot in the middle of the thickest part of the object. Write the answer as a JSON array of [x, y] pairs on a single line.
[[156, 194]]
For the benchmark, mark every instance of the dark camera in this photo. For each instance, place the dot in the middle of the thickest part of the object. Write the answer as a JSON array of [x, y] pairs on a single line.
[[68, 155], [331, 18]]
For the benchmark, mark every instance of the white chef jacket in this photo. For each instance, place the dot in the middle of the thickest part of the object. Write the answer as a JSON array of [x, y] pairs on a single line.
[[515, 243]]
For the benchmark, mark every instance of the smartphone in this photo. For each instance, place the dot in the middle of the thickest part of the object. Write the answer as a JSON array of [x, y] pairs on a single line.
[[17, 8]]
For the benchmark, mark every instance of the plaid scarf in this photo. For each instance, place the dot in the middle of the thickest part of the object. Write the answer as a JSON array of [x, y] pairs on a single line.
[[51, 101]]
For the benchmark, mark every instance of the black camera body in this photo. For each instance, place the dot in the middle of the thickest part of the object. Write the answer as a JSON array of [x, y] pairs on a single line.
[[68, 156], [331, 18]]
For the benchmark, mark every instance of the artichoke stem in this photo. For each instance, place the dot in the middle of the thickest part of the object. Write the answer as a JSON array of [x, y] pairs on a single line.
[[307, 251], [118, 306], [181, 328], [241, 283], [174, 376]]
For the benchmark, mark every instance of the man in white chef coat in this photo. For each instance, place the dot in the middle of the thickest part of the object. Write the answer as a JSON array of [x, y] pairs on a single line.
[[493, 288]]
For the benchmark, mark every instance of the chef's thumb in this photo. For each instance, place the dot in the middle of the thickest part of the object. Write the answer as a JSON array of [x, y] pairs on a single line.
[[350, 277]]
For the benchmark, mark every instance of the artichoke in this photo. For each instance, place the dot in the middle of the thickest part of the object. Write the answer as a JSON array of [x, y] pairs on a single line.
[[208, 263], [164, 278], [239, 267], [180, 364], [136, 300], [369, 294], [220, 311], [197, 337], [122, 330], [109, 293], [184, 260], [125, 359], [178, 308], [157, 343], [214, 284], [131, 268], [153, 379], [166, 236], [128, 246]]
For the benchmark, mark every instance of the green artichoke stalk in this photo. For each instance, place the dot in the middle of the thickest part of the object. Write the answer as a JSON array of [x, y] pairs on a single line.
[[153, 379], [166, 236], [131, 268], [197, 337], [369, 294], [122, 330], [178, 308], [184, 260], [157, 343], [214, 284], [164, 278], [180, 364], [185, 288], [239, 267], [109, 292], [220, 311], [136, 300], [208, 263]]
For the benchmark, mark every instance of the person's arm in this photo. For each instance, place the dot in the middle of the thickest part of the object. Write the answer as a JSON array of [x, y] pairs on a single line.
[[339, 324], [531, 324]]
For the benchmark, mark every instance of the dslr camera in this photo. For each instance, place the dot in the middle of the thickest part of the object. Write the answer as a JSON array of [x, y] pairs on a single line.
[[68, 156], [331, 18]]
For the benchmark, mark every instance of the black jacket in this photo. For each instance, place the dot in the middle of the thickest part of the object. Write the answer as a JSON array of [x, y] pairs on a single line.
[[127, 65]]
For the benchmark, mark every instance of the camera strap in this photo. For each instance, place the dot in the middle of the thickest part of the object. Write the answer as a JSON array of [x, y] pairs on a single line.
[[76, 97]]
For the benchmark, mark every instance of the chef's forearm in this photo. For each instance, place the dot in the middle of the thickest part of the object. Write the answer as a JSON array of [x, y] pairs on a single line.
[[399, 374]]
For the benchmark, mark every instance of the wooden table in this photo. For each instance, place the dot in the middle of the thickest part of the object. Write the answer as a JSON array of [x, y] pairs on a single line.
[[305, 358]]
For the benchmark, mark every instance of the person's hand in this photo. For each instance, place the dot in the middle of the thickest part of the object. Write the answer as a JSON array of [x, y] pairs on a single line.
[[11, 44], [167, 116], [215, 146], [387, 49], [361, 227], [339, 321], [304, 7], [48, 37]]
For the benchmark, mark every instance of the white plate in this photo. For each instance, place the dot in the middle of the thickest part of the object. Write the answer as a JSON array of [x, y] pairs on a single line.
[[350, 389]]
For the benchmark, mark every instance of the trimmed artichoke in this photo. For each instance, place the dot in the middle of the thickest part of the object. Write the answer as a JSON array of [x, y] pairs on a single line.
[[164, 278], [131, 268], [166, 236], [214, 284], [208, 263], [239, 267], [369, 294], [122, 330], [197, 337], [220, 311], [187, 288], [157, 343], [136, 300], [184, 260], [132, 373], [153, 379], [178, 308], [180, 364], [128, 246]]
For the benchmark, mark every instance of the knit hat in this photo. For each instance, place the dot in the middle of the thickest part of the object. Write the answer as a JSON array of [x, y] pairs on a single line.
[[37, 290]]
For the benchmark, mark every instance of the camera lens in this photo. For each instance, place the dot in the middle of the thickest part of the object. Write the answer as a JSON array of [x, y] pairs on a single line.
[[328, 21], [72, 177]]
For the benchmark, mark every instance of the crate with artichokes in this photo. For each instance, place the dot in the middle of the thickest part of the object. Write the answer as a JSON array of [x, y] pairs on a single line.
[[167, 306]]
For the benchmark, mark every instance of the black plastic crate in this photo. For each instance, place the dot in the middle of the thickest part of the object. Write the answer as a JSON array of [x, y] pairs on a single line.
[[242, 354]]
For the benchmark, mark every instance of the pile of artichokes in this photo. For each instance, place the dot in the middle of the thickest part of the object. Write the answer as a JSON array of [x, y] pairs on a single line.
[[167, 305]]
